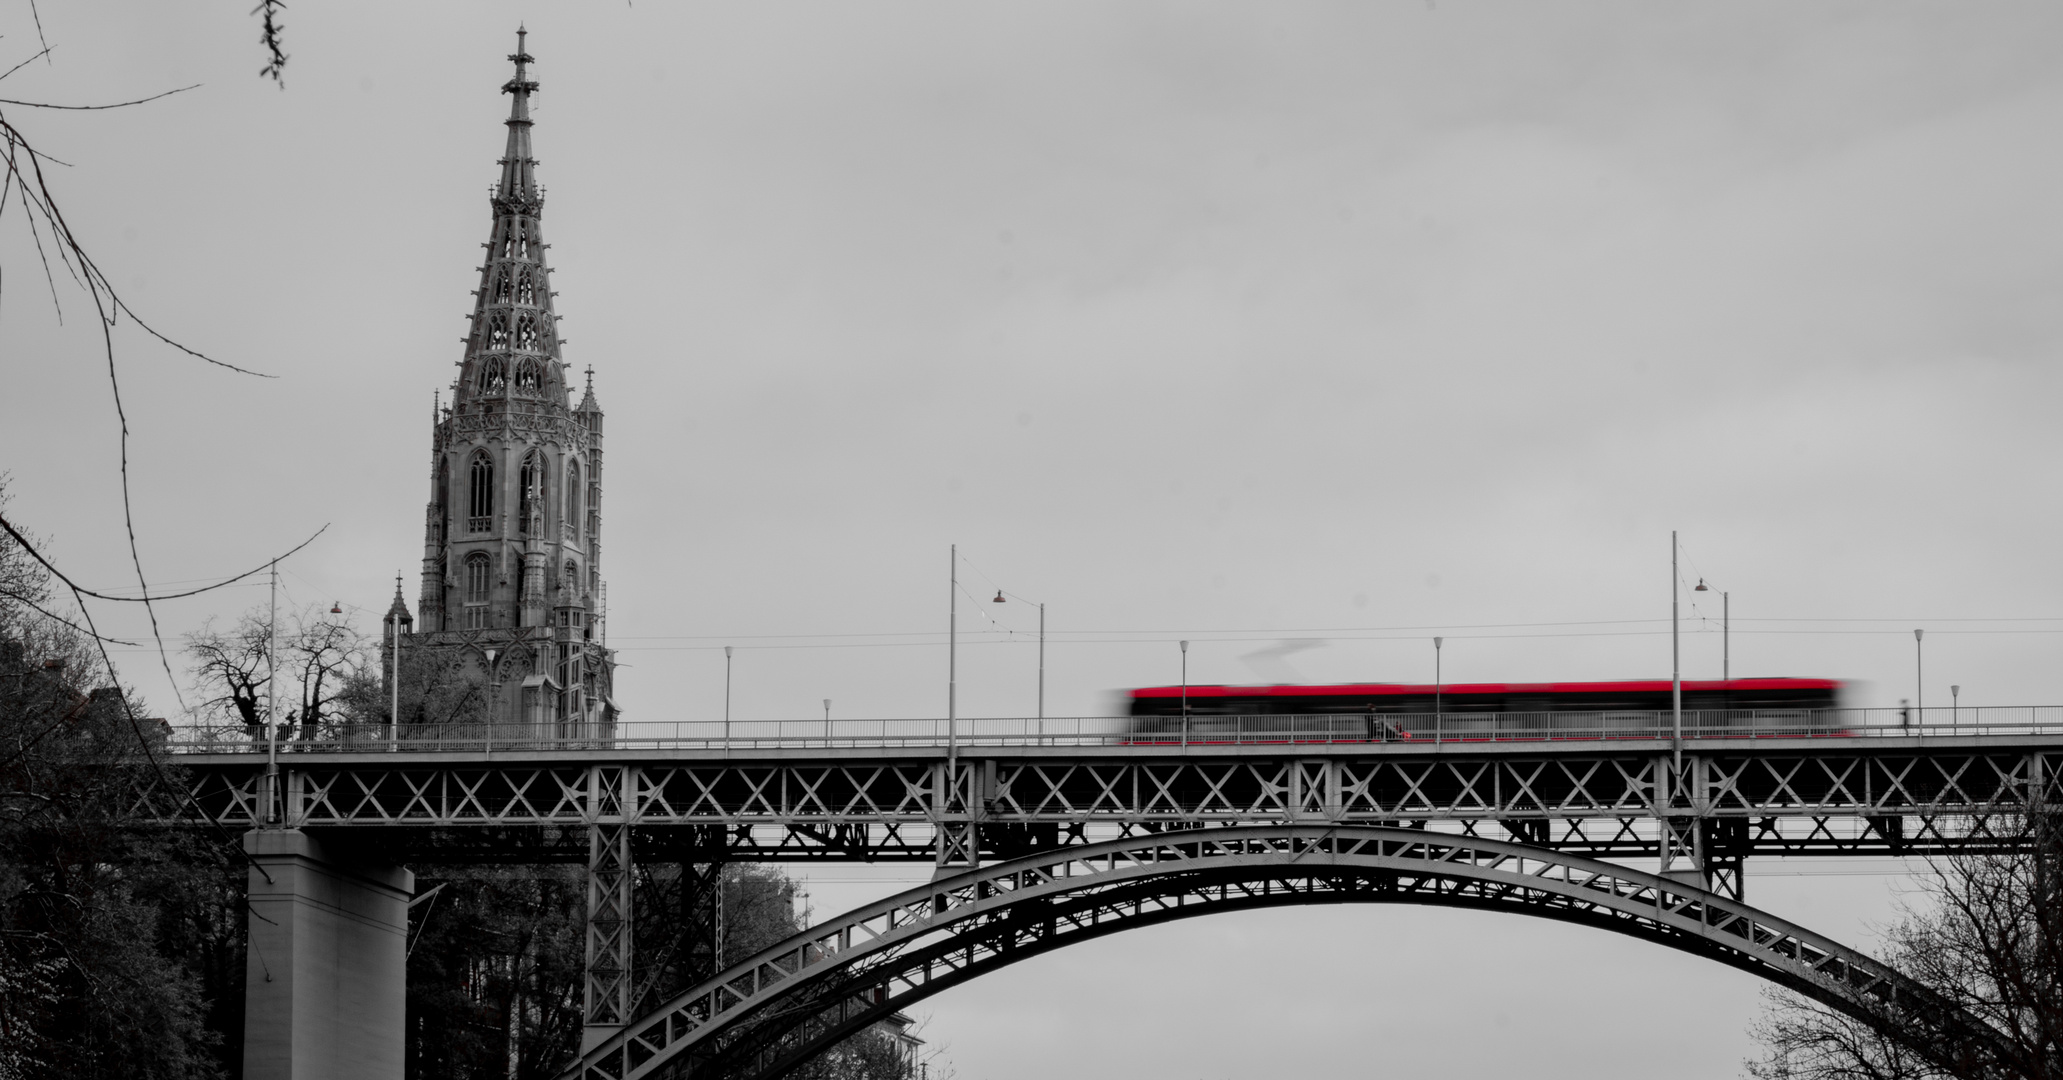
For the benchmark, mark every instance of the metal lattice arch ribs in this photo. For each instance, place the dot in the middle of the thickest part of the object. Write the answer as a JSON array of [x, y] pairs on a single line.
[[763, 1017]]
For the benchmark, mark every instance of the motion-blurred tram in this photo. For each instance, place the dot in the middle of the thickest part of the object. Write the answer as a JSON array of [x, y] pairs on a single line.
[[1388, 712]]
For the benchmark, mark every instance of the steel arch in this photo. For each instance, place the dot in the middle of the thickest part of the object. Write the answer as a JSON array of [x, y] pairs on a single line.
[[764, 1016]]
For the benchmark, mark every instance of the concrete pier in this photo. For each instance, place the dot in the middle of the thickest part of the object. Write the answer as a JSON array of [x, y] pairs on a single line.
[[326, 974]]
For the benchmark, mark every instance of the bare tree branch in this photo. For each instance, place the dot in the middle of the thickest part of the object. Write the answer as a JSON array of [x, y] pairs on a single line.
[[92, 108], [29, 547]]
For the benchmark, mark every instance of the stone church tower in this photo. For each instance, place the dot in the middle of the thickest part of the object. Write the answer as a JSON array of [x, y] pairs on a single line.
[[512, 541]]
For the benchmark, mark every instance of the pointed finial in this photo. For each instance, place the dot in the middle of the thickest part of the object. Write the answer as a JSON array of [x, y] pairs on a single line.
[[590, 378]]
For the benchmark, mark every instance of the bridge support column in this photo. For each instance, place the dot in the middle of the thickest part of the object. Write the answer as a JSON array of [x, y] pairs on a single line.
[[702, 915], [609, 897], [326, 971], [957, 846]]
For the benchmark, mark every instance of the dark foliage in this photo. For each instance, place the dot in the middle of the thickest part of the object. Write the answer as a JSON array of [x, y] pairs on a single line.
[[119, 941]]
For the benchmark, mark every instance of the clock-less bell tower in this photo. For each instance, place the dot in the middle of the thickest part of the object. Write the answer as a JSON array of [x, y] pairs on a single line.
[[512, 586]]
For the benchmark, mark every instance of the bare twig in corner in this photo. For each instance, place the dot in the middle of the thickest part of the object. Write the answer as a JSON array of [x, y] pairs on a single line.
[[269, 37]]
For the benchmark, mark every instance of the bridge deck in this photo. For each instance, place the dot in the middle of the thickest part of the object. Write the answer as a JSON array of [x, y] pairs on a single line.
[[1880, 792]]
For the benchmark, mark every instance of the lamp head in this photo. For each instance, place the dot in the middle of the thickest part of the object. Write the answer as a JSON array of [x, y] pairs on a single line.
[[999, 597], [1701, 587]]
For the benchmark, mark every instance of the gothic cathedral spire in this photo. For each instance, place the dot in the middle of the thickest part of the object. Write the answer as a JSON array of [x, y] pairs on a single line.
[[512, 540]]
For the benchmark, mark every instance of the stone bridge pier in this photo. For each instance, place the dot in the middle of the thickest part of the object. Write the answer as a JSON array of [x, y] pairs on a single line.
[[326, 972]]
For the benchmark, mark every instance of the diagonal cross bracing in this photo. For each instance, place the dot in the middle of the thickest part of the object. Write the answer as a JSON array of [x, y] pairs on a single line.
[[1790, 796]]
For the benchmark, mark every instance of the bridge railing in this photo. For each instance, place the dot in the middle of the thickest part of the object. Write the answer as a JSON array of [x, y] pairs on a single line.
[[1197, 729]]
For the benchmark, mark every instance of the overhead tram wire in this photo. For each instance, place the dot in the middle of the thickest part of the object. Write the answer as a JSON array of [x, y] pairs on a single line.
[[1172, 633], [1084, 637]]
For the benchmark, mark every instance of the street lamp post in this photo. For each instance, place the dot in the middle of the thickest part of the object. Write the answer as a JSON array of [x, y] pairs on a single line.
[[1185, 692], [1675, 659], [827, 721], [1436, 688], [1955, 706], [727, 696], [1919, 681], [1001, 599]]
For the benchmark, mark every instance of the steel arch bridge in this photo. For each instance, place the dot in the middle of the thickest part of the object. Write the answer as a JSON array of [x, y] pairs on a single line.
[[767, 1015]]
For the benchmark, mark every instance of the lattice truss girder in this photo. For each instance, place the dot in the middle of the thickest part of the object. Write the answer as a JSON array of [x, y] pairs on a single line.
[[1832, 800], [610, 939], [763, 1016]]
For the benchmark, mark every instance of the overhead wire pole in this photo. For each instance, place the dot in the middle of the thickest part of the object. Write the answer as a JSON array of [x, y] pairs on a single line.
[[394, 717], [953, 668], [272, 704], [1675, 659]]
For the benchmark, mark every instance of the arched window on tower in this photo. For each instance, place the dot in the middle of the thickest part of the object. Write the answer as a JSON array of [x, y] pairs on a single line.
[[571, 522], [501, 287], [480, 506], [494, 375], [479, 583], [532, 485], [529, 375], [526, 289]]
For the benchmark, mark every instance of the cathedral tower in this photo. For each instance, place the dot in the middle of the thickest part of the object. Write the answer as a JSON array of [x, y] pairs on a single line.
[[512, 541]]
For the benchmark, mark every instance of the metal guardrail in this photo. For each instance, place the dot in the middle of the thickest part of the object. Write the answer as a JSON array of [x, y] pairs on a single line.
[[1198, 729]]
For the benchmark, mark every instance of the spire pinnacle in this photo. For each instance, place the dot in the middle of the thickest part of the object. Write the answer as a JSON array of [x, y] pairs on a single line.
[[513, 349], [517, 192], [397, 612]]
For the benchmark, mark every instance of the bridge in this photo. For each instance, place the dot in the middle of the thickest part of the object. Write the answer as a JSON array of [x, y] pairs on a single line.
[[1574, 797]]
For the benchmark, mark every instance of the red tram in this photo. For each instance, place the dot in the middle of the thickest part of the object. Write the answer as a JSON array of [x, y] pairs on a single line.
[[1379, 712]]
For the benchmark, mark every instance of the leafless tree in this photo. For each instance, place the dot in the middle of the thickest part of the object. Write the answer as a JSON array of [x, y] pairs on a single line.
[[320, 656], [1985, 933]]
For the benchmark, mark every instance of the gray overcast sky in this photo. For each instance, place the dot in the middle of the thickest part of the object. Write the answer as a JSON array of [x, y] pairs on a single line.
[[1221, 321]]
